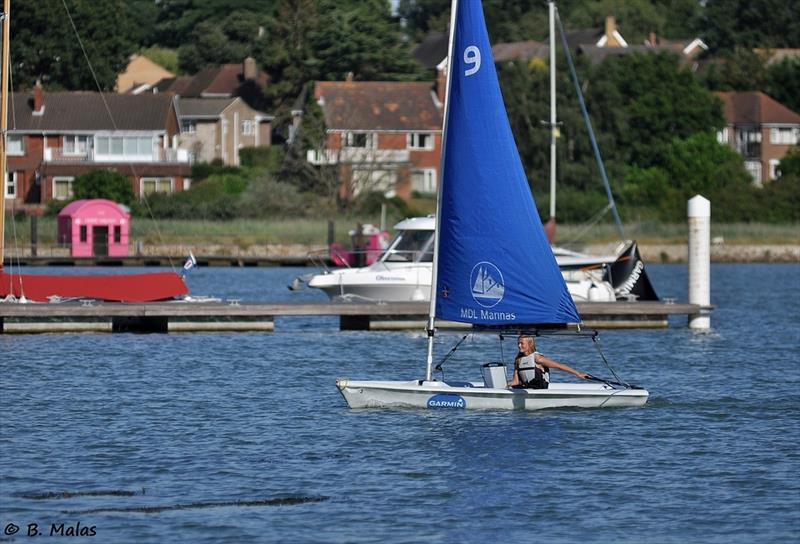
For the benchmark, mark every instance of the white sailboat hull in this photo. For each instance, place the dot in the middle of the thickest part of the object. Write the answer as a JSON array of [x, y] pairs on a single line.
[[433, 394]]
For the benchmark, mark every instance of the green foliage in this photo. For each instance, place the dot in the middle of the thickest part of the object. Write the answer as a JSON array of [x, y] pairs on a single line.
[[46, 47], [202, 170], [783, 82], [750, 23], [214, 42], [269, 157], [739, 69], [54, 207], [790, 163], [108, 184], [163, 56]]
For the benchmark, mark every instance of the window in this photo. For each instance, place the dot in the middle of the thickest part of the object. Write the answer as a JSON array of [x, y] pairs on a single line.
[[189, 126], [84, 233], [754, 167], [11, 185], [358, 139], [784, 136], [722, 136], [126, 146], [423, 180], [16, 144], [62, 188], [76, 144], [117, 234], [248, 127], [774, 171], [156, 185], [420, 140]]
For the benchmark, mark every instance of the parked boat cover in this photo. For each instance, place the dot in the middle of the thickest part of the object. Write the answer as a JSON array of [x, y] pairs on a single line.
[[495, 265], [629, 277], [148, 287]]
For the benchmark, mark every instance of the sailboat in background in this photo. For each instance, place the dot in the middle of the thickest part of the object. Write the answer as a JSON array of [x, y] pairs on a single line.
[[43, 288], [493, 266]]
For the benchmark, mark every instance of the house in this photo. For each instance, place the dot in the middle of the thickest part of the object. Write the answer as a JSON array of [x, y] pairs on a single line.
[[760, 129], [381, 136], [140, 73], [599, 43], [220, 111], [54, 137], [217, 128]]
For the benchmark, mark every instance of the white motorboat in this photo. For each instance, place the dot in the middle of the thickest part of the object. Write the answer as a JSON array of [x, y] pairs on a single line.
[[493, 267], [403, 272]]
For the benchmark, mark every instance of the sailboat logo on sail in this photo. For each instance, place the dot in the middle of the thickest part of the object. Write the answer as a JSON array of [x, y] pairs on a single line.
[[487, 283]]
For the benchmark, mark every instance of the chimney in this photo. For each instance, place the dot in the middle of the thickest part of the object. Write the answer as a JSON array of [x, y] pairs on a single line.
[[441, 81], [249, 70], [38, 99], [611, 26]]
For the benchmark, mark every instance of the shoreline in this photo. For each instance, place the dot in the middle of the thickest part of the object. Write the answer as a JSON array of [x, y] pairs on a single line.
[[298, 254]]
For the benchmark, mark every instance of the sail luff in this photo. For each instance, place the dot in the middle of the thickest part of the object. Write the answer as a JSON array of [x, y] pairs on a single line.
[[437, 229], [4, 76]]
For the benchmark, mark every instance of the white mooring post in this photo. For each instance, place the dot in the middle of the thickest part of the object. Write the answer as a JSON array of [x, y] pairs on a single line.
[[699, 211]]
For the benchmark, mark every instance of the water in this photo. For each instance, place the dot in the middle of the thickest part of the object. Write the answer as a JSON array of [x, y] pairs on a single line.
[[205, 420]]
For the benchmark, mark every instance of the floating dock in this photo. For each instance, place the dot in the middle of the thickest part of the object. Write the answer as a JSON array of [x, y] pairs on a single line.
[[233, 315]]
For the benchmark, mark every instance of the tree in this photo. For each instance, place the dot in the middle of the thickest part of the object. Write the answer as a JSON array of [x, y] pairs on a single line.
[[108, 184], [783, 82], [102, 27], [219, 42], [645, 100], [751, 23], [738, 69]]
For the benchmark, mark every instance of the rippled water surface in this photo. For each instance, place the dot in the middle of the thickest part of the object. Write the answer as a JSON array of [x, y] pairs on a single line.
[[195, 437]]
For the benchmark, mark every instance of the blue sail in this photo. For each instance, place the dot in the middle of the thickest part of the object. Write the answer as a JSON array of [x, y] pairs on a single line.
[[495, 265]]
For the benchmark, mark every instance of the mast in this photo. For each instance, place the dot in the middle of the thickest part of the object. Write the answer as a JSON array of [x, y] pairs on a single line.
[[553, 126], [4, 124], [437, 230]]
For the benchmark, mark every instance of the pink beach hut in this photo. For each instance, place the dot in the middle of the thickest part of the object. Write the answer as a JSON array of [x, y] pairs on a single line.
[[95, 228]]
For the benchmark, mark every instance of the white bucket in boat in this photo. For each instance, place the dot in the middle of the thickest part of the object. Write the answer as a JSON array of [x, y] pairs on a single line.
[[494, 375]]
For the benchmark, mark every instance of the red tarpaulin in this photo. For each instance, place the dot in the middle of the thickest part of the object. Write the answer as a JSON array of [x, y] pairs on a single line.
[[113, 288]]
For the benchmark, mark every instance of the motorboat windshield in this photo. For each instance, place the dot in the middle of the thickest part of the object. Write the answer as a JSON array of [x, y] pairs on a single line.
[[411, 246]]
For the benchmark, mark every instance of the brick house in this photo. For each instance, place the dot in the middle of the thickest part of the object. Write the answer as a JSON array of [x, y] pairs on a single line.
[[220, 111], [382, 136], [760, 129], [54, 137]]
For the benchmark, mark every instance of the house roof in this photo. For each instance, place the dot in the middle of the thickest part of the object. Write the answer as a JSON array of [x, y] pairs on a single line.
[[71, 111], [378, 105], [431, 50], [520, 50], [755, 107], [224, 80], [204, 107]]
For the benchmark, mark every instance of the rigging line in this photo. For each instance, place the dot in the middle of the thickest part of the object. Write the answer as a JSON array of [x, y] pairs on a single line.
[[589, 128], [589, 224], [451, 352], [596, 342], [13, 204], [114, 123]]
